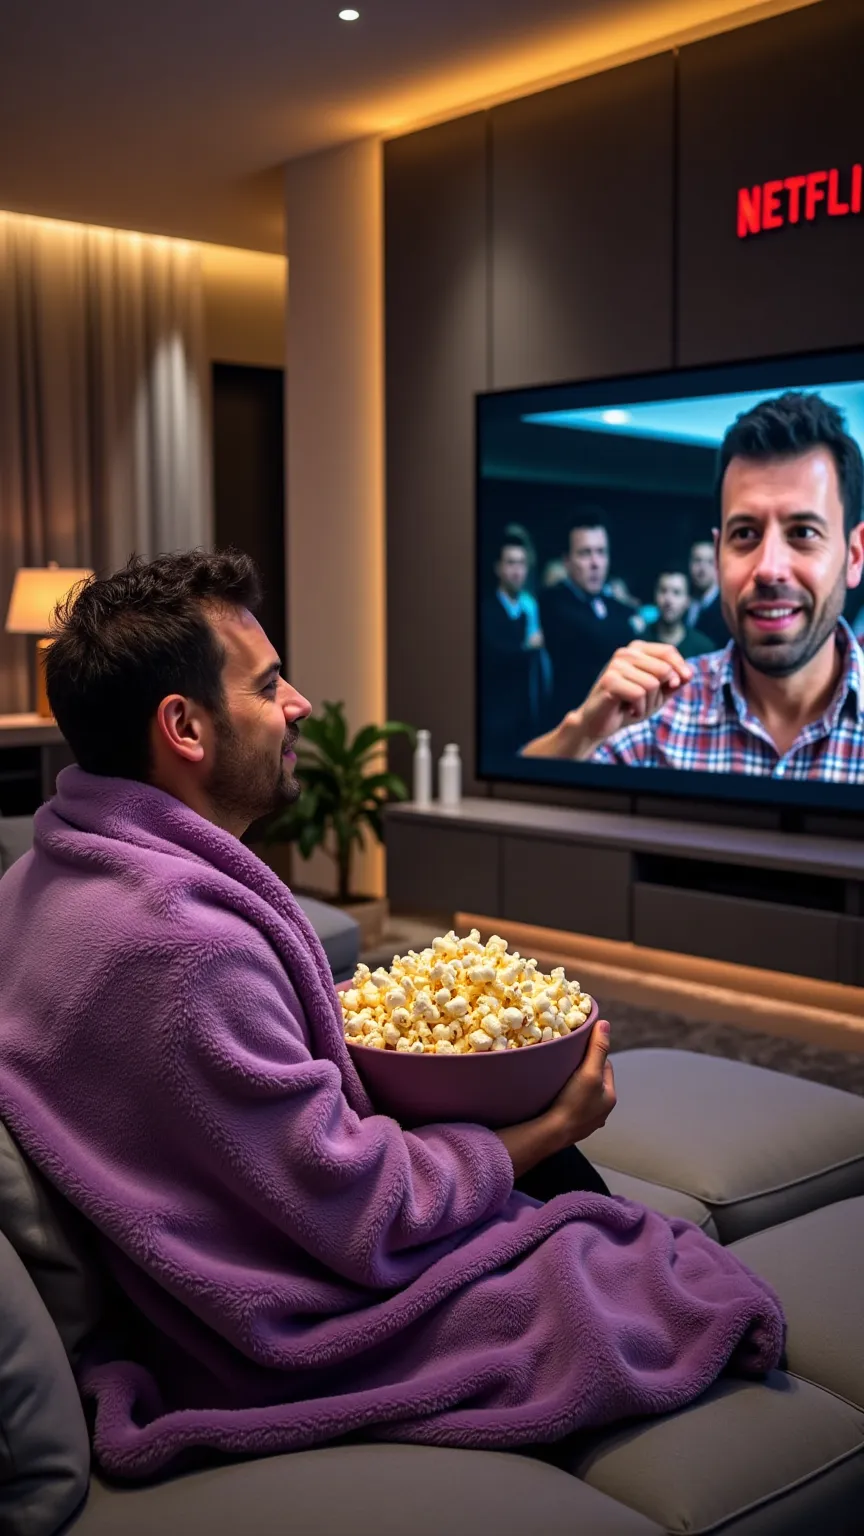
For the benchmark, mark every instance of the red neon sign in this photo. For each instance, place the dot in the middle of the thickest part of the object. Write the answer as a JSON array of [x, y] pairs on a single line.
[[772, 204]]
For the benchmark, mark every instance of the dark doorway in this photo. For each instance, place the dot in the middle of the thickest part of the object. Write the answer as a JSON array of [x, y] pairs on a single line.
[[249, 478]]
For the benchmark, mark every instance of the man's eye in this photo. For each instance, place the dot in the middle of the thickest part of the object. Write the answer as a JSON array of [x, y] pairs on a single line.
[[271, 687], [807, 535], [743, 535]]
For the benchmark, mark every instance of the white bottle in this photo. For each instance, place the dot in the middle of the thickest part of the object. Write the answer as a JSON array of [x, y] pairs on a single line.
[[450, 776], [423, 770]]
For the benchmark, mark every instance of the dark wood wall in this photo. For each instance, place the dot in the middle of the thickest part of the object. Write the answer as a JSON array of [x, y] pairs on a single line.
[[581, 230], [769, 101], [437, 358], [590, 230]]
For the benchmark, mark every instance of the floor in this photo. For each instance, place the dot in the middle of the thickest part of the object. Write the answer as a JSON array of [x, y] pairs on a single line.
[[639, 1027]]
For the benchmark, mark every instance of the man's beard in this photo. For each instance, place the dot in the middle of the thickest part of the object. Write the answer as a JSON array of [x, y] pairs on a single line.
[[244, 782], [776, 655]]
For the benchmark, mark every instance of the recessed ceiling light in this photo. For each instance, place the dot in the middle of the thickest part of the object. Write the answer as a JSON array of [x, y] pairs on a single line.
[[349, 15]]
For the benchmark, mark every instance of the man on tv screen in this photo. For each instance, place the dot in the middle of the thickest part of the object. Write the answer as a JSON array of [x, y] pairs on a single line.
[[512, 658], [785, 698], [705, 612], [671, 627], [582, 626]]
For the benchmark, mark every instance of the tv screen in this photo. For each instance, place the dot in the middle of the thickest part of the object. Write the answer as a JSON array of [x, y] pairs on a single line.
[[647, 623]]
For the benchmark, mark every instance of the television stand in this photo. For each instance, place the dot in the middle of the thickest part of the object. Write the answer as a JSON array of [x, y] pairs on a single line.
[[775, 900]]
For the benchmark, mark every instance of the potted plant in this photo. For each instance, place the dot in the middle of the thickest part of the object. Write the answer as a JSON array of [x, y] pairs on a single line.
[[342, 798]]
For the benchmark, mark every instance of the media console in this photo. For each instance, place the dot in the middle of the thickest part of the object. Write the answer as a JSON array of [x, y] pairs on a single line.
[[780, 901]]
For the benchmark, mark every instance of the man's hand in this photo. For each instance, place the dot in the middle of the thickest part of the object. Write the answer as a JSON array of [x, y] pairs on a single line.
[[535, 642], [582, 1106], [639, 680], [588, 1097]]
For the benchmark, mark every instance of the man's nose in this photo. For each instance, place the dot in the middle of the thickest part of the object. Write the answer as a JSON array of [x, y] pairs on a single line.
[[773, 564], [295, 706]]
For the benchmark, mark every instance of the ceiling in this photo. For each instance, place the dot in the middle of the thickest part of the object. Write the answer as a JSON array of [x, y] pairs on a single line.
[[175, 118]]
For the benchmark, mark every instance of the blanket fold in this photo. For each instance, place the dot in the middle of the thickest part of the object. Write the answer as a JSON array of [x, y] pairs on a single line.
[[172, 1059]]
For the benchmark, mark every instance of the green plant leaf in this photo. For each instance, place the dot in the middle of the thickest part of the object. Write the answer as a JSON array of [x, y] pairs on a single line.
[[382, 734], [326, 736], [389, 782], [337, 728], [364, 741], [375, 820], [323, 779], [310, 837]]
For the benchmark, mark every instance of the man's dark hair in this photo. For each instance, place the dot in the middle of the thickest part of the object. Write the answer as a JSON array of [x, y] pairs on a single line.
[[795, 423], [661, 576], [126, 641], [516, 541], [588, 517]]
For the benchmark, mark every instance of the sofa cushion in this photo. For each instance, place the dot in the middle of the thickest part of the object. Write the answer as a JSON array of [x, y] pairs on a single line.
[[658, 1198], [49, 1239], [367, 1490], [44, 1449], [816, 1264], [779, 1458], [339, 935], [16, 838], [756, 1147]]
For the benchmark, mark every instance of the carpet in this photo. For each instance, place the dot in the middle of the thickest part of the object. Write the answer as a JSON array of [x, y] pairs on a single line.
[[640, 1028]]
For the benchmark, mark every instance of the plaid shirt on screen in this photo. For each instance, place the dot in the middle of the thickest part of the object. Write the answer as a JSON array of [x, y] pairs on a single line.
[[708, 728]]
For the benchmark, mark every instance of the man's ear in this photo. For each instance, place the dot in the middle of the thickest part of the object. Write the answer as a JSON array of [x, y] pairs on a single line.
[[715, 534], [855, 557]]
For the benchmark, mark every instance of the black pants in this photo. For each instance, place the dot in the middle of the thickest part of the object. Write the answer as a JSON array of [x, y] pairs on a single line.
[[566, 1173]]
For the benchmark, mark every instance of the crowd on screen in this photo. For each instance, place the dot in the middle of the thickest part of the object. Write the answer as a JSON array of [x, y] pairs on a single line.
[[545, 635]]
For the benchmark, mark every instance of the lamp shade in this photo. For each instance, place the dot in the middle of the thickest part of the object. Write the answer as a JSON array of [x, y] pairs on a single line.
[[35, 594]]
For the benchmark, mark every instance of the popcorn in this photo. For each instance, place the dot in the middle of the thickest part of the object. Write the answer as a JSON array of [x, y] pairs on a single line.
[[461, 997]]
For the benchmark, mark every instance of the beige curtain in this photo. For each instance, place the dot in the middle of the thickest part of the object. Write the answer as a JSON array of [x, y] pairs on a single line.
[[104, 407]]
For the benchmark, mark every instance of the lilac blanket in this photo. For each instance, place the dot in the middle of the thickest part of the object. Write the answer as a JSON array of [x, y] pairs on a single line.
[[171, 1057]]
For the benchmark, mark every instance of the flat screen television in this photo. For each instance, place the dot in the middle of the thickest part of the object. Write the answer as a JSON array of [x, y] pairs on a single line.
[[597, 507]]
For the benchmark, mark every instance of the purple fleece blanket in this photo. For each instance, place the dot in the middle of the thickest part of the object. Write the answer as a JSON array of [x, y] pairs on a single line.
[[172, 1058]]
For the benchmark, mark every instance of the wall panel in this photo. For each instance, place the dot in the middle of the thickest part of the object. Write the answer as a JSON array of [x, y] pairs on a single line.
[[582, 227], [436, 352], [774, 100]]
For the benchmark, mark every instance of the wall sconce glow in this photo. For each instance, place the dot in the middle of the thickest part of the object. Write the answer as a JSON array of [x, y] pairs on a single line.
[[349, 15], [616, 418]]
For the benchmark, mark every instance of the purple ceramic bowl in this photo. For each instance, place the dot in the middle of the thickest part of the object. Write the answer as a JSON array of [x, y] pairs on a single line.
[[494, 1089]]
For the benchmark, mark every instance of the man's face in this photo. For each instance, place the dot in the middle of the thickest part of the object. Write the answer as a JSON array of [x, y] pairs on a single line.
[[703, 568], [588, 559], [672, 597], [512, 568], [252, 767], [784, 560]]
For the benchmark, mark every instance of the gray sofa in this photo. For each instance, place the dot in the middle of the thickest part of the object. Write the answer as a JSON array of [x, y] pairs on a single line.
[[339, 934], [771, 1165]]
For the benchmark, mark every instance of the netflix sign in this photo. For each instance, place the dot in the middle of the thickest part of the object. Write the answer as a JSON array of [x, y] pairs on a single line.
[[798, 199]]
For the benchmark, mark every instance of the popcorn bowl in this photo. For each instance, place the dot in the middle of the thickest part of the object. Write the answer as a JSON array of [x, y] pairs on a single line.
[[490, 1088]]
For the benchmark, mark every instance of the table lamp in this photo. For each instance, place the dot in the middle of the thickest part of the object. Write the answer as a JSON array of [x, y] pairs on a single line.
[[35, 593]]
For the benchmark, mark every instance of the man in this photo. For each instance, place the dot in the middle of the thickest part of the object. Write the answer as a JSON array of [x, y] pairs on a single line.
[[672, 598], [582, 627], [786, 696], [294, 1267], [705, 612], [514, 668]]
